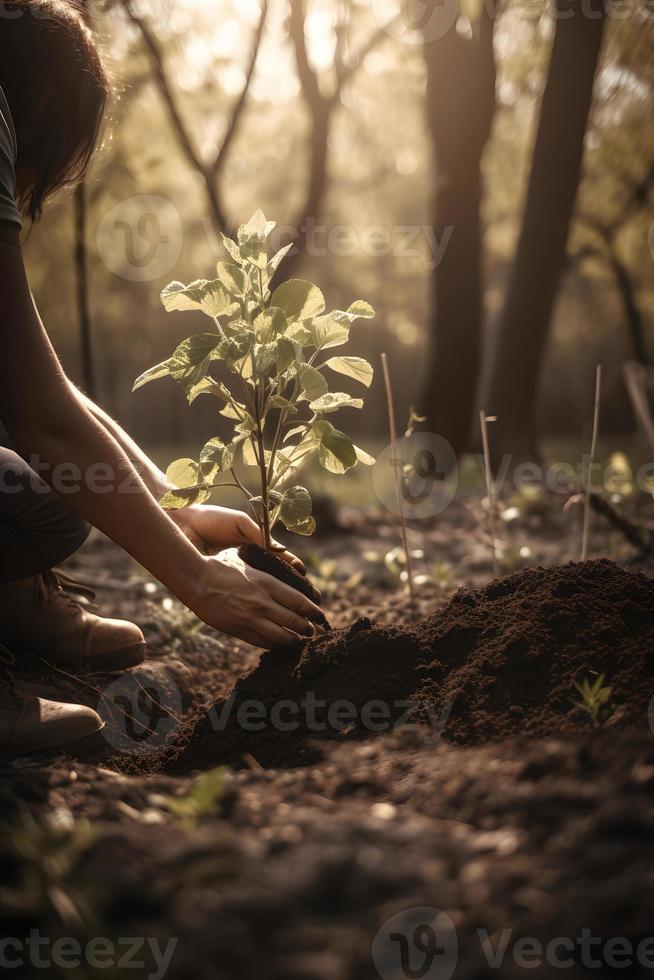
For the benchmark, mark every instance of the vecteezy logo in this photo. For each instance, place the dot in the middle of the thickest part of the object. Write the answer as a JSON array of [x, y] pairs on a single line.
[[428, 474], [140, 710], [140, 239], [418, 21], [417, 944]]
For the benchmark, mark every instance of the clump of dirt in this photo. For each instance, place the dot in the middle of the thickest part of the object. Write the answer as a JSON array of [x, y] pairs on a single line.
[[495, 662], [256, 557]]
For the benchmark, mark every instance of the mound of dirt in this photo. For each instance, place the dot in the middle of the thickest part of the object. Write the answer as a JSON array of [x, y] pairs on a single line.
[[496, 662]]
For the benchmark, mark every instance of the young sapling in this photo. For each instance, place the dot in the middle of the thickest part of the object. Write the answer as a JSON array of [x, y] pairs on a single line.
[[273, 387]]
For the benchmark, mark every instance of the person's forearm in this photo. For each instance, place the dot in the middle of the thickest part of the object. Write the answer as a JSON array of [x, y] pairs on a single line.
[[111, 495], [81, 460], [151, 475]]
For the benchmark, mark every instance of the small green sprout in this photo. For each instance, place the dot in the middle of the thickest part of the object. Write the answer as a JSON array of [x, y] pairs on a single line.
[[274, 389], [595, 700], [201, 800]]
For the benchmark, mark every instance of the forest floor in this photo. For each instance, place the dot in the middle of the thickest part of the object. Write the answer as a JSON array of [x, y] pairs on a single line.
[[429, 844]]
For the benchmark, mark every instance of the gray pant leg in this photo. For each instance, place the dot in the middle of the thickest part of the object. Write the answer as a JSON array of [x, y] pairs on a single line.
[[37, 529]]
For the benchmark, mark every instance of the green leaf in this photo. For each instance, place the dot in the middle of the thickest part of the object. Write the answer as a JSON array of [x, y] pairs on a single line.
[[162, 370], [288, 353], [257, 227], [232, 249], [270, 323], [229, 411], [207, 386], [205, 295], [352, 367], [299, 300], [278, 257], [215, 458], [232, 278], [364, 457], [300, 334], [178, 499], [312, 382], [188, 364], [327, 332], [254, 253], [333, 400], [265, 357], [358, 309], [336, 451], [298, 430], [306, 527], [249, 455], [184, 473], [232, 350], [295, 507]]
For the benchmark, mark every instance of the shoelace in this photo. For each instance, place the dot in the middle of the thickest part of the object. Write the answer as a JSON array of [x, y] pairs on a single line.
[[51, 587], [8, 696]]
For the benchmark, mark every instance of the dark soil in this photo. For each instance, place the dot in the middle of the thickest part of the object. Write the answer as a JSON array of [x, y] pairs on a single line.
[[256, 557], [290, 872], [495, 662]]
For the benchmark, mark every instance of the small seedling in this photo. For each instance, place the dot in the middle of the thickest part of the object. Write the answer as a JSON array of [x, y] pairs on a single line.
[[595, 700], [269, 346], [202, 799]]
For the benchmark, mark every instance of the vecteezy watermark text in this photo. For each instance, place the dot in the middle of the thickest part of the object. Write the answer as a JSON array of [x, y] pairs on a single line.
[[423, 942], [318, 715], [143, 953]]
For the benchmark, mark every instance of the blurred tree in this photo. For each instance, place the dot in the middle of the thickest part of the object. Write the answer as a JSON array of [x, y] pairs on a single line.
[[322, 102], [605, 246], [551, 193], [209, 170], [460, 109]]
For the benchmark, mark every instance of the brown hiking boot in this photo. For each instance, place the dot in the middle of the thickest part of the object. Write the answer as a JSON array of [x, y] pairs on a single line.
[[31, 724], [39, 617]]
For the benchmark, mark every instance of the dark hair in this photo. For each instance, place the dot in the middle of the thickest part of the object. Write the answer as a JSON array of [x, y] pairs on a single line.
[[57, 90]]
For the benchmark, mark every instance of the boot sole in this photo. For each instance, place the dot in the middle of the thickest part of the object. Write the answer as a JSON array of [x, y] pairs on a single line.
[[84, 742]]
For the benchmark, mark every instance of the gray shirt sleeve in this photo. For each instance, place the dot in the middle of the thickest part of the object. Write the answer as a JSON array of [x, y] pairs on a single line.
[[8, 207]]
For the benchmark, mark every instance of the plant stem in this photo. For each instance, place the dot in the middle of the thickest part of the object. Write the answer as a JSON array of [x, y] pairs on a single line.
[[593, 449], [398, 478], [267, 540], [490, 489]]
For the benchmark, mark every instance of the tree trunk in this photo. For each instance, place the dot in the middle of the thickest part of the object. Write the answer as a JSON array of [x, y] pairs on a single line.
[[461, 105], [540, 257], [316, 189]]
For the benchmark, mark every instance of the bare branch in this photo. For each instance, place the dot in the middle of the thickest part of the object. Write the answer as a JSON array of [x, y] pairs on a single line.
[[237, 111], [170, 101]]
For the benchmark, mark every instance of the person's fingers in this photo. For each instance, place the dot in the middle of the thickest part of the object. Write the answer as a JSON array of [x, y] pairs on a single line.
[[249, 530], [296, 602], [289, 557], [268, 634], [290, 620]]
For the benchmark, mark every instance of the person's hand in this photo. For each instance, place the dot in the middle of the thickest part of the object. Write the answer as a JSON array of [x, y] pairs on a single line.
[[249, 604], [211, 529]]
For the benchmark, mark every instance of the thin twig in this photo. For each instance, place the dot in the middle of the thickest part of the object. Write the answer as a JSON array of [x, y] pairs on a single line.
[[490, 488], [593, 448], [398, 477]]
